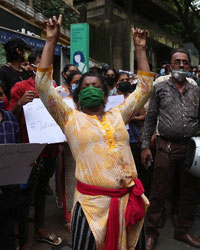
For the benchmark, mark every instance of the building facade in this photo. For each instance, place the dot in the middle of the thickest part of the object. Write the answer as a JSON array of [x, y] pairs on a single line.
[[110, 30]]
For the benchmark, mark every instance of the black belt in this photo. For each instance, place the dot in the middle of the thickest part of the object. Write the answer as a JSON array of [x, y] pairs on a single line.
[[183, 140]]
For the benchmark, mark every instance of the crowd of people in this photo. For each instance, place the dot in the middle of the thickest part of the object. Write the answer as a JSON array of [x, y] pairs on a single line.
[[118, 167]]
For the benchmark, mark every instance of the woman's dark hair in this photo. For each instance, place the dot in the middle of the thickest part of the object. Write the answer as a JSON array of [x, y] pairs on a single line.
[[67, 67], [120, 74], [180, 50], [71, 76], [34, 55], [88, 74], [107, 69]]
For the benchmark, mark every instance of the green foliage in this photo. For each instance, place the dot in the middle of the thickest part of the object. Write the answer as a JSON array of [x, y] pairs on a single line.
[[188, 26], [175, 30], [54, 8]]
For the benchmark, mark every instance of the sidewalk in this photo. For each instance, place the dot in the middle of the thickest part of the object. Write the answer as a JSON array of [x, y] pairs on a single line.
[[54, 223]]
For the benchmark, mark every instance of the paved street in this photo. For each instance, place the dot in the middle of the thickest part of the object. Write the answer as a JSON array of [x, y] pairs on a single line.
[[54, 223]]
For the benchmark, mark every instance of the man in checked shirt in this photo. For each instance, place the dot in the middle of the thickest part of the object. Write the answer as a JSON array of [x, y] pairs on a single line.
[[175, 104]]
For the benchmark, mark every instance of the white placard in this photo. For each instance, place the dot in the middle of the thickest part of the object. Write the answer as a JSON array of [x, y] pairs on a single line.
[[16, 160], [113, 101], [41, 126]]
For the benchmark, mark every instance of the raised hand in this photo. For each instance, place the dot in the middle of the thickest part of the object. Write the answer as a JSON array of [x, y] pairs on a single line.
[[140, 37], [52, 35], [53, 27]]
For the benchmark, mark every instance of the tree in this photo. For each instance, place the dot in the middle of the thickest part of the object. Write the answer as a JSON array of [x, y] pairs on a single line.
[[189, 25], [54, 8]]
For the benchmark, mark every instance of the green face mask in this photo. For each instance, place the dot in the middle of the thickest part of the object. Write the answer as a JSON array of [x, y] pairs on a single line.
[[91, 97]]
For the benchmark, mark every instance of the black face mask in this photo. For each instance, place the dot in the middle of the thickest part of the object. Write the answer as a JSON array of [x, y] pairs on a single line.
[[30, 72], [124, 87], [110, 81]]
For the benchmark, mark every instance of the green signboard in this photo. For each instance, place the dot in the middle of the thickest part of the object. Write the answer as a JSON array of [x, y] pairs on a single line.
[[79, 46]]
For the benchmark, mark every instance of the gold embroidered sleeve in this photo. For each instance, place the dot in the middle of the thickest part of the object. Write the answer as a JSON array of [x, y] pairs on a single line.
[[50, 97], [138, 98]]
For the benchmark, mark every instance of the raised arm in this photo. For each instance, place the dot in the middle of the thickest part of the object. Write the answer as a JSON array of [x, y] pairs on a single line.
[[140, 38], [145, 78], [49, 96], [52, 36]]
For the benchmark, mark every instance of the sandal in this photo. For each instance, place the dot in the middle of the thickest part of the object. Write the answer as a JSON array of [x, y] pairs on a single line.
[[51, 239]]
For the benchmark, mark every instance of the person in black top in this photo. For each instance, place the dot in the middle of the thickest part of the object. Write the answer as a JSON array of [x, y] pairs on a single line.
[[12, 72]]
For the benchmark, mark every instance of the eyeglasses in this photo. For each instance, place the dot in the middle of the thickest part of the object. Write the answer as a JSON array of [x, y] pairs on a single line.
[[178, 62]]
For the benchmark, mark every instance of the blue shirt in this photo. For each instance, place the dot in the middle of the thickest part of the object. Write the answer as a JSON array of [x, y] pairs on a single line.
[[9, 128], [132, 134]]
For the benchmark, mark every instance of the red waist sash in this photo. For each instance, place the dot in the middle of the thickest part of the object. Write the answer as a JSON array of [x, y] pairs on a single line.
[[135, 210]]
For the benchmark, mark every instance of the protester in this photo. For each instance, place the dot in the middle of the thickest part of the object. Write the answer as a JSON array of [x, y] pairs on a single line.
[[100, 145], [26, 66], [22, 93], [68, 69], [63, 89], [72, 82], [110, 79], [10, 195], [122, 77], [175, 128], [12, 72], [153, 143], [164, 68], [195, 72]]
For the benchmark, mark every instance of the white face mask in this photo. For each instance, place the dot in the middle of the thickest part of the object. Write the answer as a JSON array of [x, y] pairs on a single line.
[[135, 81], [35, 70], [180, 75], [74, 86]]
